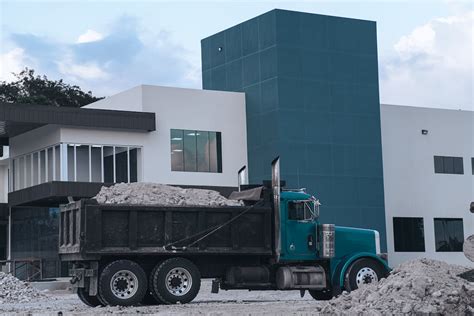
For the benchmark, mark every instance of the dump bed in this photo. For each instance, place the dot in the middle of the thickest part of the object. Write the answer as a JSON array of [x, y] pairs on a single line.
[[89, 230]]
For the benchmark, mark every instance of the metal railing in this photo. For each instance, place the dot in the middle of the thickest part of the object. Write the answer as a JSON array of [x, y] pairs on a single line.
[[29, 269]]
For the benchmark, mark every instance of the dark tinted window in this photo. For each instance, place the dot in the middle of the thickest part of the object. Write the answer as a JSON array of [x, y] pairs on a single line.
[[472, 165], [133, 165], [190, 155], [448, 165], [298, 211], [196, 151], [408, 233], [449, 234]]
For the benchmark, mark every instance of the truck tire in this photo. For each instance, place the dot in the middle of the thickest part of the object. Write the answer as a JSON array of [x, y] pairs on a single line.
[[321, 295], [175, 280], [92, 301], [122, 282], [363, 271]]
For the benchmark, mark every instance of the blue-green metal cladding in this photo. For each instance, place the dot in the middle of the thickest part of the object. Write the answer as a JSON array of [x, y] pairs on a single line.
[[311, 84]]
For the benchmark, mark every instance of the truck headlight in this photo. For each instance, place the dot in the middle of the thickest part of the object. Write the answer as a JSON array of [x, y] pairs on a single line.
[[377, 242]]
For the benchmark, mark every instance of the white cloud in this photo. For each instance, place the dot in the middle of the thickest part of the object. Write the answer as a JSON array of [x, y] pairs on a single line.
[[81, 72], [421, 40], [433, 65], [126, 55], [89, 36], [11, 62]]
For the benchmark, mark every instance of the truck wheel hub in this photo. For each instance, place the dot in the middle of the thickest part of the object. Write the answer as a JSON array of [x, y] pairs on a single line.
[[178, 281], [124, 284], [366, 276]]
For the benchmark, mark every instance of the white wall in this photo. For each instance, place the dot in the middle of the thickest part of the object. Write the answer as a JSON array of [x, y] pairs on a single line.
[[178, 108], [412, 189], [3, 181], [34, 140]]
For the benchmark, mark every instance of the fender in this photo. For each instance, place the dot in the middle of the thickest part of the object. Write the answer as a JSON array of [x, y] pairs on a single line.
[[346, 261]]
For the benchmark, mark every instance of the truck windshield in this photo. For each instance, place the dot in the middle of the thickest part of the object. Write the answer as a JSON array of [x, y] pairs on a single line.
[[301, 210]]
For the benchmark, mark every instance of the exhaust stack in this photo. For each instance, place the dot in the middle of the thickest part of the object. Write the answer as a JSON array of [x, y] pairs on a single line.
[[242, 177], [276, 204]]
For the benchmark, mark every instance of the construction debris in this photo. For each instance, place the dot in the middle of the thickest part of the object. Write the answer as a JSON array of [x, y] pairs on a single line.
[[468, 248], [13, 290], [141, 193], [422, 286]]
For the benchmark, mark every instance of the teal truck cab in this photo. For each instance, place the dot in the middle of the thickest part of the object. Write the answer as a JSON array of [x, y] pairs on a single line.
[[137, 254]]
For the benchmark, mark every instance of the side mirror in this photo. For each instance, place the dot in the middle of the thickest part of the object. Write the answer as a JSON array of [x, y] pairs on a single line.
[[316, 208], [472, 207]]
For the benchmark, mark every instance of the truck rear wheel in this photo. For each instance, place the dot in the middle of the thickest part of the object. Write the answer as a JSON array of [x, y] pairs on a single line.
[[363, 271], [122, 282], [175, 280], [92, 301]]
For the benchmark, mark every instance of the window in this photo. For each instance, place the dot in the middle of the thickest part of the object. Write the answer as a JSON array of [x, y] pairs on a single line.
[[76, 162], [196, 151], [408, 234], [298, 211], [121, 164], [301, 210], [449, 234], [472, 165], [448, 165]]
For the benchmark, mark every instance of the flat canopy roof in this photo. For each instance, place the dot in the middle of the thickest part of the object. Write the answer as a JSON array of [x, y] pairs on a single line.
[[18, 118]]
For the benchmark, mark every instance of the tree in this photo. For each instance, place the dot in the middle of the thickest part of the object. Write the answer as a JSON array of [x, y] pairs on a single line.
[[29, 88]]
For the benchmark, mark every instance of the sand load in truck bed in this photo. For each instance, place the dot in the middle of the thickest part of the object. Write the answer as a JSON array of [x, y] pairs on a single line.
[[160, 194]]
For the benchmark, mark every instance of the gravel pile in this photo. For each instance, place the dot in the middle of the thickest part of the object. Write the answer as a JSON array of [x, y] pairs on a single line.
[[160, 194], [416, 287], [13, 290]]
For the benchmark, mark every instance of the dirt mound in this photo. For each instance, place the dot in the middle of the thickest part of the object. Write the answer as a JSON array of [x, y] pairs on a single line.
[[13, 290], [141, 193], [420, 286]]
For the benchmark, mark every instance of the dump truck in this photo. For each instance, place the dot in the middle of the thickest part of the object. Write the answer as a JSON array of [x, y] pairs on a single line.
[[141, 254]]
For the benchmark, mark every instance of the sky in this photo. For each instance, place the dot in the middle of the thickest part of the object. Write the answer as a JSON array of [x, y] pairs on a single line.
[[425, 48]]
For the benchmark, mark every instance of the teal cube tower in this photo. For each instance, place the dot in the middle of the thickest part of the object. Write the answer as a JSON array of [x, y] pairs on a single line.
[[312, 97]]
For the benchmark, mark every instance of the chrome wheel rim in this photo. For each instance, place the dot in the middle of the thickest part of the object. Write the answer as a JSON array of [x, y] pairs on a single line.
[[179, 281], [124, 284], [366, 276]]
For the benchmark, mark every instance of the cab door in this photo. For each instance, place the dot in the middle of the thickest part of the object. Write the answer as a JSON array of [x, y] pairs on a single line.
[[300, 231]]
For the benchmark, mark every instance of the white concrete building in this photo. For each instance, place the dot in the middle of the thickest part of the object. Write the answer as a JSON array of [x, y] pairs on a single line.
[[200, 139], [429, 182], [179, 109]]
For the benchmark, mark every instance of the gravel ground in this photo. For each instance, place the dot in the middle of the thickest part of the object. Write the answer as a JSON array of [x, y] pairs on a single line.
[[225, 303], [416, 287]]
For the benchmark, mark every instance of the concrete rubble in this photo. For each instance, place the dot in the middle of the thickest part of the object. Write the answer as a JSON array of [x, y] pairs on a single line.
[[468, 248], [422, 286], [160, 194], [13, 290]]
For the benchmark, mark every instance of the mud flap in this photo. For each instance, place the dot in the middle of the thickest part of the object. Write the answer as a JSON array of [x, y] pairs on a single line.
[[82, 278]]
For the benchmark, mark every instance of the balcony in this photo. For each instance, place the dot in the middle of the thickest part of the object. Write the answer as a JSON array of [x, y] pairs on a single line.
[[81, 163]]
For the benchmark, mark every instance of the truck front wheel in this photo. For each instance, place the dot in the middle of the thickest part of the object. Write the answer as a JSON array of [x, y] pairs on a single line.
[[363, 271], [175, 280], [122, 282]]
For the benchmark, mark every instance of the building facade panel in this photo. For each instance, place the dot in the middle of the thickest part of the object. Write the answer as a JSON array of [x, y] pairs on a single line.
[[312, 98], [413, 188]]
